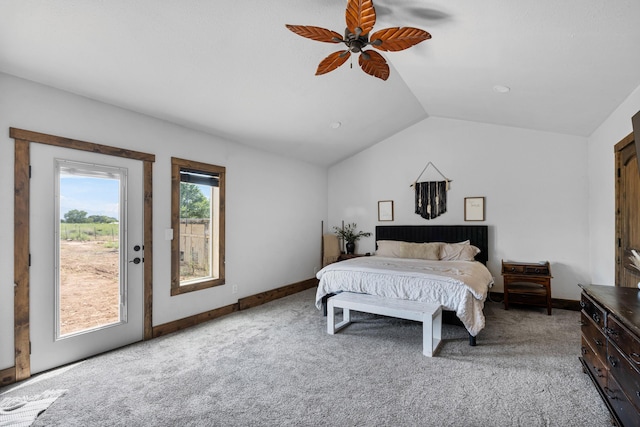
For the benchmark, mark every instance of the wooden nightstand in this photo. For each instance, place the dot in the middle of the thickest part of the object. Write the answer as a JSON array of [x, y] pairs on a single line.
[[527, 283]]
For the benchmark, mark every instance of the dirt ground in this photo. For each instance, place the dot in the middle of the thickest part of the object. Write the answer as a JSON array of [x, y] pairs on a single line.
[[89, 290]]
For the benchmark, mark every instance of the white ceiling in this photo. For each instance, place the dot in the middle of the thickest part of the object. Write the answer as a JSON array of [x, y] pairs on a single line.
[[232, 69]]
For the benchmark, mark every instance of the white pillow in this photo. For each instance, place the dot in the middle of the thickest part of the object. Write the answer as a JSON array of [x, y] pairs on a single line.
[[463, 251], [428, 251], [389, 248], [398, 249]]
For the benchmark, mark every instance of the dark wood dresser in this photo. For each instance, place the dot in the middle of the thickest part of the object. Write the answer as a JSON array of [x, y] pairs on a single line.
[[610, 324]]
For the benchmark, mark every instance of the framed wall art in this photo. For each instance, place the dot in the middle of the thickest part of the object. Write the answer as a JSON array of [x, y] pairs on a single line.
[[474, 208], [385, 210]]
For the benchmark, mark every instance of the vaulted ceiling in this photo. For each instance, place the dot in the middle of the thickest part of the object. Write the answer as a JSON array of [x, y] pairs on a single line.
[[232, 69]]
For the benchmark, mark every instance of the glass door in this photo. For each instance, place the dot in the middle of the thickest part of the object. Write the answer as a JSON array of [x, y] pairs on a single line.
[[86, 246]]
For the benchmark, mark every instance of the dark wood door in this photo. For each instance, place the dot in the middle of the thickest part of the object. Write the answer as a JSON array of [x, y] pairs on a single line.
[[627, 211]]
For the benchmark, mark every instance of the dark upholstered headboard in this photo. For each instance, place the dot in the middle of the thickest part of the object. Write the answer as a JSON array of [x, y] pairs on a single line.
[[477, 234]]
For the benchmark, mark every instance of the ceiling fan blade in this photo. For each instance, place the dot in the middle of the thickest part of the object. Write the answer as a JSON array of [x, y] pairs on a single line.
[[316, 33], [333, 61], [398, 38], [360, 14], [375, 65]]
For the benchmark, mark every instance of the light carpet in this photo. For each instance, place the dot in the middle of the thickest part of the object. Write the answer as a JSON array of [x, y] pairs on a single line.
[[275, 365]]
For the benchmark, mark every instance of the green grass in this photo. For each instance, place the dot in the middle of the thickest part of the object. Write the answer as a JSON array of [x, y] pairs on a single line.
[[86, 232]]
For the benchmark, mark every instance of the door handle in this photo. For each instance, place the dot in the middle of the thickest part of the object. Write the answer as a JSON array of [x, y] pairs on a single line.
[[136, 260]]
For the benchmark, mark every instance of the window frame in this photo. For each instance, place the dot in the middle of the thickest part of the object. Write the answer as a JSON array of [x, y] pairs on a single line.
[[177, 165]]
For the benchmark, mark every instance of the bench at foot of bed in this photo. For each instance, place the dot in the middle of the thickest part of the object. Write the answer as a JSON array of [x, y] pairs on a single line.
[[472, 339], [429, 314]]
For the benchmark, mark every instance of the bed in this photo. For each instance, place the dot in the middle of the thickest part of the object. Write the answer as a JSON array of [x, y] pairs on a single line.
[[422, 263]]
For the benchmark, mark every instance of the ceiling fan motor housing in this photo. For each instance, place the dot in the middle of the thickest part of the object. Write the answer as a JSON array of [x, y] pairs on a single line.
[[354, 42]]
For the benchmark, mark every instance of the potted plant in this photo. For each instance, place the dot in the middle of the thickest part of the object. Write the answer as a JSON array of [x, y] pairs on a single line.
[[350, 236]]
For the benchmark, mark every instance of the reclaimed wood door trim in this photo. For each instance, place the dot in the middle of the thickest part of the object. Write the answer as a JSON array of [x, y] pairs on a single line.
[[22, 139], [21, 260]]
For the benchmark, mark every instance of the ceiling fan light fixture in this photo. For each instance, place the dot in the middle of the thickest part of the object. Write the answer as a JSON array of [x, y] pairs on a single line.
[[361, 17], [355, 42]]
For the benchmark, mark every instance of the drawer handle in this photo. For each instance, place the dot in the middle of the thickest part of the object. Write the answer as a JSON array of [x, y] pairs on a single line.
[[612, 361], [513, 269], [610, 331], [583, 304], [598, 370], [584, 350], [635, 358], [598, 342], [595, 317]]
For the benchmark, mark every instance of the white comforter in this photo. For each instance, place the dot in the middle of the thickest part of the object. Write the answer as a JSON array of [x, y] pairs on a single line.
[[459, 286]]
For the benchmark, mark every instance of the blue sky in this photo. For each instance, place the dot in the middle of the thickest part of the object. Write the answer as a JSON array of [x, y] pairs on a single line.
[[206, 190], [96, 196]]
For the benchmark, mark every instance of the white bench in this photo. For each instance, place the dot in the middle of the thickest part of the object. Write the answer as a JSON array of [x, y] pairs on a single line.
[[429, 314]]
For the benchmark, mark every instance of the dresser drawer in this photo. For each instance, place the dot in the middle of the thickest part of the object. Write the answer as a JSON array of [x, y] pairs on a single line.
[[512, 268], [594, 336], [541, 270], [594, 363], [532, 269], [593, 310], [525, 285], [626, 375], [624, 409], [624, 339], [527, 299]]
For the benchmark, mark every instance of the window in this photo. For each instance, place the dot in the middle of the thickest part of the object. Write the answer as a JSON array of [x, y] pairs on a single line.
[[197, 219]]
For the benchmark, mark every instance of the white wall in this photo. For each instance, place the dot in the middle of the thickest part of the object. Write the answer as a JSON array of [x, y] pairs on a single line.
[[601, 161], [274, 206], [535, 185]]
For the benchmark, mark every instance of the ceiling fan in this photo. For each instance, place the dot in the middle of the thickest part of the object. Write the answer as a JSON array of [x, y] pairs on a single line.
[[361, 17]]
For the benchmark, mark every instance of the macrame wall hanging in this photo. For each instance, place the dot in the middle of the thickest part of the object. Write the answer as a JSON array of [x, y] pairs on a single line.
[[431, 196]]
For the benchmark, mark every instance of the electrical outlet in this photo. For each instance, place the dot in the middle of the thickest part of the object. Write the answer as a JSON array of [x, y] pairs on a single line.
[[234, 289]]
